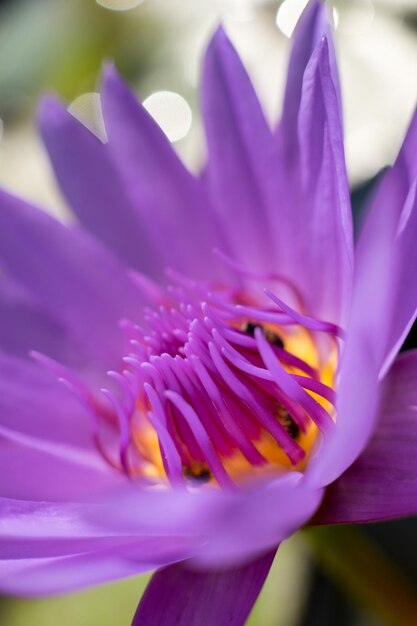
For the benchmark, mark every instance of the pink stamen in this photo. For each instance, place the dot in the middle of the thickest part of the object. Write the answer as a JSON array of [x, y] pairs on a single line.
[[290, 386], [169, 453], [309, 322], [201, 436]]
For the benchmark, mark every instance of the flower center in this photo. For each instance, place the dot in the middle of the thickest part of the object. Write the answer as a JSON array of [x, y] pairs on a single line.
[[219, 387]]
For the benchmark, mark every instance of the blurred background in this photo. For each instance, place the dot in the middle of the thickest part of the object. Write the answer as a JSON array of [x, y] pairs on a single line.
[[60, 45]]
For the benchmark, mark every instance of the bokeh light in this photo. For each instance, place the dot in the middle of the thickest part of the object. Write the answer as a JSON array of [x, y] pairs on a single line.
[[288, 15], [119, 5], [171, 111], [87, 109]]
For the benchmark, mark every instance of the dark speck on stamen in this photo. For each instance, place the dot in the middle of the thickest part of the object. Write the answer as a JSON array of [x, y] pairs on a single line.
[[249, 328], [272, 337], [199, 473], [290, 426]]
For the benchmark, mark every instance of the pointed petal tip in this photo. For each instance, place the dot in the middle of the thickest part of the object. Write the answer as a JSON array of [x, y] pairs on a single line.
[[313, 17], [312, 9], [110, 78], [319, 64], [324, 45], [219, 43], [219, 35], [51, 111], [324, 57], [321, 51], [108, 70], [115, 93]]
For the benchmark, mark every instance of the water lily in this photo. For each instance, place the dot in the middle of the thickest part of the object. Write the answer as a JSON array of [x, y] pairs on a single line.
[[197, 367]]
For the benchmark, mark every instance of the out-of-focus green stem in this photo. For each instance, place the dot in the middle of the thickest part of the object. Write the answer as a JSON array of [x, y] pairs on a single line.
[[365, 572]]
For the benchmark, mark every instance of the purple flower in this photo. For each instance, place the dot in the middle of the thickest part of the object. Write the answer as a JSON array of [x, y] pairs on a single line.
[[228, 356]]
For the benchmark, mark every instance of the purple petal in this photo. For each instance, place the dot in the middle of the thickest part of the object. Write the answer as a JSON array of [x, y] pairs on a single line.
[[240, 168], [47, 448], [25, 323], [169, 200], [46, 439], [384, 302], [33, 402], [45, 576], [93, 188], [39, 470], [243, 532], [48, 547], [313, 220], [315, 211], [404, 297], [29, 525], [49, 529], [138, 529], [76, 281], [362, 357], [312, 26], [227, 526], [42, 577], [395, 199], [395, 185], [382, 483], [182, 596]]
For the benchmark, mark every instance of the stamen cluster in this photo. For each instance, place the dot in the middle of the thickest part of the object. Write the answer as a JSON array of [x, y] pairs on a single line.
[[210, 392]]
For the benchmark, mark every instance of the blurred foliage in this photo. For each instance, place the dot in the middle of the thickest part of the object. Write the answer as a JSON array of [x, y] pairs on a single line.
[[366, 573], [60, 45], [105, 605]]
